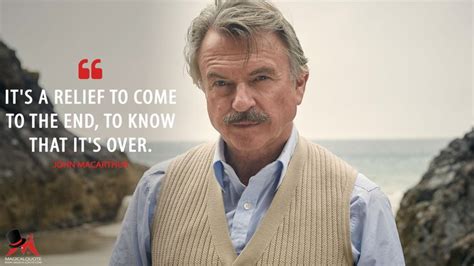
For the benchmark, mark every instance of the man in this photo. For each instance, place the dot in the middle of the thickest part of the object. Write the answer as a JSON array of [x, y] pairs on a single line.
[[262, 194]]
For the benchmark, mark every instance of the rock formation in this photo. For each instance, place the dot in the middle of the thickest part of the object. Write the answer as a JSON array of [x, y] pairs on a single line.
[[436, 217], [33, 195]]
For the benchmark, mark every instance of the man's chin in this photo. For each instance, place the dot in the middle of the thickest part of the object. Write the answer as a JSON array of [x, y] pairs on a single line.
[[246, 132], [245, 136], [246, 142]]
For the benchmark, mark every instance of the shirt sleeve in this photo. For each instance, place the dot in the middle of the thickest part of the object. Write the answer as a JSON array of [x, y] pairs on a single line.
[[374, 234], [133, 242]]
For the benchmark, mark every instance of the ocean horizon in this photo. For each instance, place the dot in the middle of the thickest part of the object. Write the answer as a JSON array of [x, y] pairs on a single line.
[[394, 164]]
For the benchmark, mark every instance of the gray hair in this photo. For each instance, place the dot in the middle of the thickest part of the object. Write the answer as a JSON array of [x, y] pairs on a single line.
[[242, 19]]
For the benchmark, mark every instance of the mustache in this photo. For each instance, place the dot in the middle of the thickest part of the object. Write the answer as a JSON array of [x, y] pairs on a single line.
[[251, 115]]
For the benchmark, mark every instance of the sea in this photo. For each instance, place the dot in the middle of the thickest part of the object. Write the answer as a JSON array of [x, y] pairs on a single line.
[[395, 165]]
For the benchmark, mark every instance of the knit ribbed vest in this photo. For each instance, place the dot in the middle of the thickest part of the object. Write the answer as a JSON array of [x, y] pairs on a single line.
[[306, 223]]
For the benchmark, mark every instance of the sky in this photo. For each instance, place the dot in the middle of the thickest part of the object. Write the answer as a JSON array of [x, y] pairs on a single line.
[[378, 69]]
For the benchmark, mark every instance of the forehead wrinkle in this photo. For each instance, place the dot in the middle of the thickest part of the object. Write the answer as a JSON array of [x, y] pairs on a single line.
[[210, 60], [213, 74], [215, 60]]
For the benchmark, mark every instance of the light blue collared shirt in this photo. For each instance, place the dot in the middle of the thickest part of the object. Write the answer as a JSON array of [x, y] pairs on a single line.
[[374, 235]]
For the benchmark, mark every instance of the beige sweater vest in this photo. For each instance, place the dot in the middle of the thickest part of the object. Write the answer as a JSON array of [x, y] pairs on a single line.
[[307, 222]]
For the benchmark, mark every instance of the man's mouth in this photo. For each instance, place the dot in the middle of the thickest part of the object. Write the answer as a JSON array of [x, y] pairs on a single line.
[[245, 123]]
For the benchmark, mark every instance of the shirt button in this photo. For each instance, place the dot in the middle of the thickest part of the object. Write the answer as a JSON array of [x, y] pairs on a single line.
[[247, 205]]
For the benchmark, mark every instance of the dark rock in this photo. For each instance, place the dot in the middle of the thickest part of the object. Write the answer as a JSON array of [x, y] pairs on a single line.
[[33, 195], [436, 217], [462, 253]]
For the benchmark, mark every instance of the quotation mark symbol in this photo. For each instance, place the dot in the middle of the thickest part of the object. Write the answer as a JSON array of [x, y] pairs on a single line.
[[85, 73]]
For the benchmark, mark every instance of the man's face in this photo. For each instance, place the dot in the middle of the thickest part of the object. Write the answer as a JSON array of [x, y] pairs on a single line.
[[252, 100]]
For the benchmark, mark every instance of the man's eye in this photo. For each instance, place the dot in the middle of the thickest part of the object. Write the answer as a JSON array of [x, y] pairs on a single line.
[[259, 78], [219, 83]]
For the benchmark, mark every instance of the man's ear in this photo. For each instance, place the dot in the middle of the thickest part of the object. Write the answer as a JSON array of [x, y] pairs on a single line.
[[300, 85]]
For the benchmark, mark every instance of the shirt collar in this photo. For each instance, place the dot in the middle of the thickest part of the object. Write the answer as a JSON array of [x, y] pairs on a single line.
[[283, 159]]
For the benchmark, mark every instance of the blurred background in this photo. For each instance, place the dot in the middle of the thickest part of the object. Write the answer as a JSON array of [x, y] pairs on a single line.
[[390, 87]]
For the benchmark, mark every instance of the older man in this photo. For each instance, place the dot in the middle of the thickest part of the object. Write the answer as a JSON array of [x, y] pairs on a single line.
[[262, 194]]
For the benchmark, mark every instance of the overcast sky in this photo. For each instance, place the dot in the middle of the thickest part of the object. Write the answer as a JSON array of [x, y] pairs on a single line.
[[378, 69]]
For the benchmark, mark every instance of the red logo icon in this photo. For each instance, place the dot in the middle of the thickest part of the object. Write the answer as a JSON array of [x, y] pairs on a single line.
[[85, 73], [17, 242]]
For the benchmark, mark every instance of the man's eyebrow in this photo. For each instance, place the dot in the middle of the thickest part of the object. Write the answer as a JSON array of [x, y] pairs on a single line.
[[263, 70], [214, 75]]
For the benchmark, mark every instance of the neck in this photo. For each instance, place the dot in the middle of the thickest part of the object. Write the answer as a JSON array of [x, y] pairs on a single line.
[[247, 163]]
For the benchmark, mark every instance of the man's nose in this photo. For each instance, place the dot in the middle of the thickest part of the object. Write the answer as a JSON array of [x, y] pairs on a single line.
[[243, 100]]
